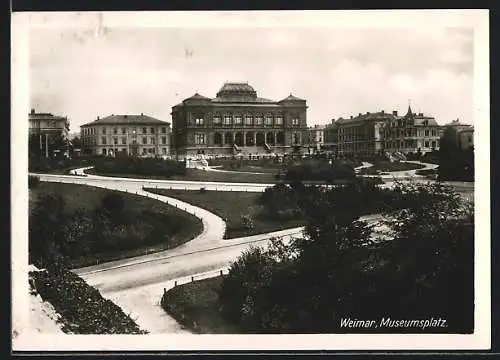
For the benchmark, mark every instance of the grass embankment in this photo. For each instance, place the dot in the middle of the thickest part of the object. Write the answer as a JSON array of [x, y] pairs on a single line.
[[231, 205], [82, 308], [152, 225], [386, 166], [196, 306]]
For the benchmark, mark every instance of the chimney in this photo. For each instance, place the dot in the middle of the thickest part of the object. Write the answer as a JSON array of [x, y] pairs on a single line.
[[359, 114], [395, 113], [32, 111], [142, 114], [383, 112], [367, 113], [351, 116], [97, 117]]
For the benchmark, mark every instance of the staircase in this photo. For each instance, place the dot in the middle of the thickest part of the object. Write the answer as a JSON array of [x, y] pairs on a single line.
[[268, 148], [236, 148]]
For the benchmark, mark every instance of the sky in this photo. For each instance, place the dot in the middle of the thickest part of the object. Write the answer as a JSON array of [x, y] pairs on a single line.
[[85, 72]]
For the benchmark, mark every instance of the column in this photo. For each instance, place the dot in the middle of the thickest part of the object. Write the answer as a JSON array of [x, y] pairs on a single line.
[[244, 138], [274, 134], [255, 138]]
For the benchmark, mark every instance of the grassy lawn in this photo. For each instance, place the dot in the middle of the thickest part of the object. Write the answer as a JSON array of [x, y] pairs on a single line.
[[163, 226], [230, 205], [196, 306], [202, 175]]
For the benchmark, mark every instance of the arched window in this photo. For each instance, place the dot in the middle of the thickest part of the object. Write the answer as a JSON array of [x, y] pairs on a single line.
[[260, 139], [280, 138], [238, 139], [228, 138], [249, 138], [270, 138], [218, 138]]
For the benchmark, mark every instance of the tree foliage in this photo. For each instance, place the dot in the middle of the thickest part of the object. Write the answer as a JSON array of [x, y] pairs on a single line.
[[336, 270]]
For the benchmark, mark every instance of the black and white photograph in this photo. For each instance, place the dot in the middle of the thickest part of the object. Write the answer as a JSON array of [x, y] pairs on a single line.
[[211, 180]]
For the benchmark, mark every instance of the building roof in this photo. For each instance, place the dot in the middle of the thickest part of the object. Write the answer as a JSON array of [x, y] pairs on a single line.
[[128, 120], [381, 115], [292, 98], [238, 99], [456, 123], [197, 97], [236, 87]]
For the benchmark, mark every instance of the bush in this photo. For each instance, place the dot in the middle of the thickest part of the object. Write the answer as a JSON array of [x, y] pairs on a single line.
[[140, 166], [83, 309], [33, 182], [113, 203]]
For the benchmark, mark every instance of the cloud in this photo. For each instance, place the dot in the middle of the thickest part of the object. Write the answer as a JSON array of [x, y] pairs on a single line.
[[338, 71]]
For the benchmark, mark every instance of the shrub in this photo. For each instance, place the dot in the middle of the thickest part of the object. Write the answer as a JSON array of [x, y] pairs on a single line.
[[113, 203]]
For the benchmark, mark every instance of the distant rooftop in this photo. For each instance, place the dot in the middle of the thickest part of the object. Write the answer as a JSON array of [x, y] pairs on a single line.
[[127, 120]]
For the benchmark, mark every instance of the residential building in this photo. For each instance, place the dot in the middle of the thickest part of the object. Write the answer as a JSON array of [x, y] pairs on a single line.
[[459, 134], [362, 135], [411, 133], [134, 135], [316, 137], [237, 121], [47, 129]]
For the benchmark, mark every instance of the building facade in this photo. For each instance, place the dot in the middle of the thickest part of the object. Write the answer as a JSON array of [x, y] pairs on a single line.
[[237, 121], [316, 137], [459, 134], [45, 128], [381, 133], [47, 123], [411, 133], [362, 135], [134, 135]]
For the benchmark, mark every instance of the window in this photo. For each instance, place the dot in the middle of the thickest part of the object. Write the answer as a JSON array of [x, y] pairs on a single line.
[[144, 130], [124, 150], [426, 132], [295, 121], [103, 140], [104, 130], [115, 131], [163, 140], [164, 151], [278, 120], [163, 130], [217, 120], [124, 131], [238, 120], [144, 151], [426, 144], [248, 120], [152, 141], [144, 140], [258, 120], [469, 138], [124, 140], [199, 139], [269, 120], [227, 120], [115, 141], [152, 130], [199, 121]]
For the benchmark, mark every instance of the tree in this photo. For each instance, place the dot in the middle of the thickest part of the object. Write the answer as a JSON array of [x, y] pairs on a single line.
[[47, 231]]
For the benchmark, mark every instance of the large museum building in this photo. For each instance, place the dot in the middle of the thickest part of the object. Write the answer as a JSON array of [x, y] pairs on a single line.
[[237, 121]]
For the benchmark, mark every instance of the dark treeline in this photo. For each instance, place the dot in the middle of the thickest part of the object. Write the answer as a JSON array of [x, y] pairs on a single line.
[[337, 271]]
